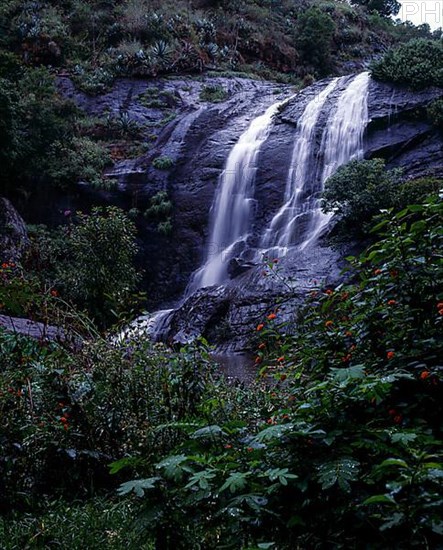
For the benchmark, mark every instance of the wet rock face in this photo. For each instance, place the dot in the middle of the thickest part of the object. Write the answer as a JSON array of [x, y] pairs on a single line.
[[399, 131], [13, 235], [197, 139]]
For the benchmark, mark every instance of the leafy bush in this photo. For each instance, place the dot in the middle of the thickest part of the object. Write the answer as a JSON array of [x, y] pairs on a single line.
[[346, 445], [359, 190], [78, 160], [435, 113], [418, 64], [213, 93], [313, 39], [163, 163], [91, 262]]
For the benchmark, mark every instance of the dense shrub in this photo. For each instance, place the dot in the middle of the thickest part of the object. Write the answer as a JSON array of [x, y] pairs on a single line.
[[91, 262], [359, 189], [314, 33], [418, 64], [347, 445]]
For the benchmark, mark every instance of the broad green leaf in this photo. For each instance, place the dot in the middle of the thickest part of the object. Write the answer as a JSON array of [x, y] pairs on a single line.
[[379, 499], [340, 472], [138, 486], [208, 432], [174, 466], [235, 482]]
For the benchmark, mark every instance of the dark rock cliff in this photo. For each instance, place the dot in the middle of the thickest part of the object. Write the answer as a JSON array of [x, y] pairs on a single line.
[[197, 141]]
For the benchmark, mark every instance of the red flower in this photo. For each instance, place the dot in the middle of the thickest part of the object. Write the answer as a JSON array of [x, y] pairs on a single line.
[[257, 360], [262, 345], [440, 305], [393, 273], [283, 377], [260, 327], [250, 449], [346, 358], [281, 359], [54, 293], [391, 302], [377, 271], [329, 292], [65, 426], [440, 311], [392, 412], [398, 419], [390, 355], [228, 446], [425, 374], [64, 420], [272, 316]]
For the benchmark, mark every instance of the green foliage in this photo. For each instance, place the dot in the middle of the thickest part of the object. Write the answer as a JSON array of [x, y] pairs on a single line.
[[385, 8], [418, 64], [91, 262], [93, 525], [162, 163], [435, 113], [359, 190], [83, 161], [314, 33], [213, 93], [346, 443]]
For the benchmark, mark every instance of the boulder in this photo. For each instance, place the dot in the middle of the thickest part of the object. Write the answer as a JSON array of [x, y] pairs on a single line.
[[14, 238]]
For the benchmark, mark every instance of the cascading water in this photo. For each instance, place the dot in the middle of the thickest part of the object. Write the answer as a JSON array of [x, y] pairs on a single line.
[[281, 230], [231, 211], [329, 134], [342, 142], [300, 221]]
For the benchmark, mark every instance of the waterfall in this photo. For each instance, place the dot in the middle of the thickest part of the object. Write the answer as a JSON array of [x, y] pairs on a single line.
[[232, 208], [284, 224], [342, 142], [299, 222]]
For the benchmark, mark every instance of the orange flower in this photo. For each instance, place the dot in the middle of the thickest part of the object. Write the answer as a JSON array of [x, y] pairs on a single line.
[[390, 355], [425, 374], [283, 377], [345, 295], [391, 302], [272, 316], [329, 292], [329, 323], [281, 359], [377, 271], [262, 345], [260, 327], [257, 360], [348, 333]]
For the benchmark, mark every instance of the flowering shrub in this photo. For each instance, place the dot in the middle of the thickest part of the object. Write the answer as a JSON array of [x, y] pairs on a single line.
[[344, 444]]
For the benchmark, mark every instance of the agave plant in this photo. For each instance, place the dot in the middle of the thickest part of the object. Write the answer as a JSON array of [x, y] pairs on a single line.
[[162, 54]]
